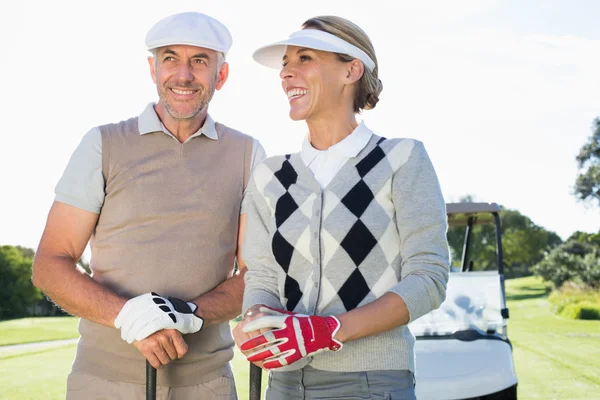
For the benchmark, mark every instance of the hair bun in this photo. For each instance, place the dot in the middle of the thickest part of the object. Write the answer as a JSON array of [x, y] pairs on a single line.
[[371, 101]]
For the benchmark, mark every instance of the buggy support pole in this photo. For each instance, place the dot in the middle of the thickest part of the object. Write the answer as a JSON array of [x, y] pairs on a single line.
[[255, 382], [500, 257], [467, 244], [150, 381], [500, 254]]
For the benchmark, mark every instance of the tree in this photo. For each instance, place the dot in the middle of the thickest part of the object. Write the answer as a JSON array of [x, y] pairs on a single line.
[[572, 261], [524, 243], [584, 237], [26, 251], [17, 292], [587, 184]]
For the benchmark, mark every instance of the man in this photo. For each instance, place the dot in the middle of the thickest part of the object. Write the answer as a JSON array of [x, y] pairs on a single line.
[[159, 199]]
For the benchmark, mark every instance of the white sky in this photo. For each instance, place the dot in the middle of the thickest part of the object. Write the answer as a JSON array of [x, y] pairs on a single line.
[[502, 93]]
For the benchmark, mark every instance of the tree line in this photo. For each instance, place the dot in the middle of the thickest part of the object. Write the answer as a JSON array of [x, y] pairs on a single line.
[[18, 296]]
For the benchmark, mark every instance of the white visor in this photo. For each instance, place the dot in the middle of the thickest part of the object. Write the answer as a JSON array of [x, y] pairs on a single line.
[[271, 55]]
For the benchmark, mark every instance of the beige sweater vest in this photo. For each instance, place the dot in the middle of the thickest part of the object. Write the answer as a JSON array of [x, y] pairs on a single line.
[[169, 224]]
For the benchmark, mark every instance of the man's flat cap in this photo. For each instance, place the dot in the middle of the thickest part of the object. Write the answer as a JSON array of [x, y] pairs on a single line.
[[189, 28]]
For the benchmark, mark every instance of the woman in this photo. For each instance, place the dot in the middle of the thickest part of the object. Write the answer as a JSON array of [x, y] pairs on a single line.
[[346, 240]]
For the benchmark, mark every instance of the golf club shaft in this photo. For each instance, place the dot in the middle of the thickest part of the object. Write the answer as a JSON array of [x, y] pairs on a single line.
[[255, 382], [150, 381]]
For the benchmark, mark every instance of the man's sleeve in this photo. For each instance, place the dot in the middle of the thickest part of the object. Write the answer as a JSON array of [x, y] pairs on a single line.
[[82, 183], [258, 155], [422, 224]]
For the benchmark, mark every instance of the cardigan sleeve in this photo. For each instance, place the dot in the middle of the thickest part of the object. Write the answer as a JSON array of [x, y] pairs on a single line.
[[422, 226], [263, 271]]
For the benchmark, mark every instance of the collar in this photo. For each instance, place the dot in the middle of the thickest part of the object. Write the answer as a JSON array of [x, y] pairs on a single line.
[[349, 147], [149, 122]]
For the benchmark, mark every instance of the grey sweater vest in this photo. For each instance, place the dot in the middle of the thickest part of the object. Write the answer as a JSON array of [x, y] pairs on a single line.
[[169, 224]]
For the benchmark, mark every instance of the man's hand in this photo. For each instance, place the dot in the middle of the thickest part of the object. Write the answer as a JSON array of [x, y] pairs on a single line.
[[298, 336], [143, 315], [162, 347]]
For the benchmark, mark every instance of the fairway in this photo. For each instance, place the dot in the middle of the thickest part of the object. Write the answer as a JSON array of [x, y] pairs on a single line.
[[27, 330], [48, 383], [36, 375], [555, 358]]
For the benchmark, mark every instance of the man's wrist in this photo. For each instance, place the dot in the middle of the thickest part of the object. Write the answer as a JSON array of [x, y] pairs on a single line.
[[121, 304], [197, 312]]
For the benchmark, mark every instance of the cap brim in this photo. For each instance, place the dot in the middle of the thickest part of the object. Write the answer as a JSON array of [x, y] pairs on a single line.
[[164, 43], [272, 55]]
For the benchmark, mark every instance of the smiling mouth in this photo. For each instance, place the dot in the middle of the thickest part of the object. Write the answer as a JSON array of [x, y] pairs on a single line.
[[296, 93], [183, 92]]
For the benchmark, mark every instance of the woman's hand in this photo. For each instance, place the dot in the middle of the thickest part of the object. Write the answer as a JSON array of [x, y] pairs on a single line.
[[254, 312], [290, 338]]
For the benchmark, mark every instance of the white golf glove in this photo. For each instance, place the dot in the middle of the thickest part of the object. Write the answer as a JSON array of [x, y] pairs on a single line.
[[143, 315]]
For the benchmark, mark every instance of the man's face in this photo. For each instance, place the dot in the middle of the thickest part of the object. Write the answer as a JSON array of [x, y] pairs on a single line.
[[186, 78]]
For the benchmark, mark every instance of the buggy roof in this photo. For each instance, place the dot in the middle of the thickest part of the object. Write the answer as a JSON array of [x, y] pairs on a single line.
[[458, 213]]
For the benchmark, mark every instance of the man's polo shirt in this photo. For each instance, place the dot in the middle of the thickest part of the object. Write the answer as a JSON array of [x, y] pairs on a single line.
[[82, 184]]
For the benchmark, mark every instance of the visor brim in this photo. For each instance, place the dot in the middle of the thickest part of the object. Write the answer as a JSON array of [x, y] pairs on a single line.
[[272, 55]]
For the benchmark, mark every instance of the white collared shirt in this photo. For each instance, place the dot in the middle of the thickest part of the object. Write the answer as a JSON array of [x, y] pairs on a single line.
[[325, 164], [82, 182]]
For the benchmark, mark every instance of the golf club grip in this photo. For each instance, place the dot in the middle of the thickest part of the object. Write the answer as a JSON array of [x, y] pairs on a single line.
[[150, 381], [255, 382]]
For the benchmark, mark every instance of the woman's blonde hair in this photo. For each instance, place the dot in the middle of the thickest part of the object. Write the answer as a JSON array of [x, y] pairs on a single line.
[[369, 86]]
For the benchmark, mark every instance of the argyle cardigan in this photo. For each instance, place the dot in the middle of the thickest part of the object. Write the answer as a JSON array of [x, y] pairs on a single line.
[[379, 226]]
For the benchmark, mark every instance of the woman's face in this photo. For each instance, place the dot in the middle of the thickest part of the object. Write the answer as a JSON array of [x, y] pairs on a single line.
[[313, 81]]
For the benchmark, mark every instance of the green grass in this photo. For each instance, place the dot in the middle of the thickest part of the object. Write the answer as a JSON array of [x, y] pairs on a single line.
[[47, 370], [27, 330], [41, 374], [36, 375], [575, 302], [555, 357]]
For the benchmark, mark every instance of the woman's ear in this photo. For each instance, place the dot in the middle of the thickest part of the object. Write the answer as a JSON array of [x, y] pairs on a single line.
[[354, 71]]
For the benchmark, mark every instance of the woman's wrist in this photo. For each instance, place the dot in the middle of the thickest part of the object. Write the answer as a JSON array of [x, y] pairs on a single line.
[[342, 334], [255, 309]]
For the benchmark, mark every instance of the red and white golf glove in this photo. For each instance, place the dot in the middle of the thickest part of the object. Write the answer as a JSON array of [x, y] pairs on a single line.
[[276, 311], [298, 336]]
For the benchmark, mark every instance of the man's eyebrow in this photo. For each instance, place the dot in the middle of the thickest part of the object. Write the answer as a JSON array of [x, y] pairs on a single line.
[[174, 53], [169, 51]]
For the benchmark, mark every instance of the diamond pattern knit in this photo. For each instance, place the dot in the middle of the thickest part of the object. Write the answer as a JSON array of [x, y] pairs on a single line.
[[379, 226]]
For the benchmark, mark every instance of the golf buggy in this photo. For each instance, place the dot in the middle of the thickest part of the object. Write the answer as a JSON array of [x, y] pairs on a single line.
[[462, 348]]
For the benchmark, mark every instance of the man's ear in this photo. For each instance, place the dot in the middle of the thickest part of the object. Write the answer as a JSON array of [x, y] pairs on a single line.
[[355, 70], [223, 74], [152, 69]]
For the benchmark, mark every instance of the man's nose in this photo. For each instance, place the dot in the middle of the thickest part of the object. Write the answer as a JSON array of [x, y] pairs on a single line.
[[185, 72]]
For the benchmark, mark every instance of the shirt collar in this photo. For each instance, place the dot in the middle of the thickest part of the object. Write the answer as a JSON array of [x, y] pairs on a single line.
[[149, 122], [349, 147]]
